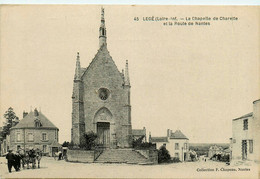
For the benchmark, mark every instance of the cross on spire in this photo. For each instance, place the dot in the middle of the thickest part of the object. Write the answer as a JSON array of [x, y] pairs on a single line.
[[102, 29]]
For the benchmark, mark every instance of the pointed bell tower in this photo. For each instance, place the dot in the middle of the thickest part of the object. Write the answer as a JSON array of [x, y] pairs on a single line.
[[102, 30], [77, 70], [127, 80], [127, 88], [78, 124]]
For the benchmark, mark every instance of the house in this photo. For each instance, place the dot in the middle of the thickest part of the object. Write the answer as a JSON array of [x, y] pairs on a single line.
[[215, 150], [175, 142], [245, 142], [35, 131], [1, 141], [137, 133], [5, 145]]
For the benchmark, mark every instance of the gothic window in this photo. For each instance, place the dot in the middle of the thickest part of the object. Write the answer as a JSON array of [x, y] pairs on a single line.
[[245, 126], [103, 114], [103, 93], [176, 146]]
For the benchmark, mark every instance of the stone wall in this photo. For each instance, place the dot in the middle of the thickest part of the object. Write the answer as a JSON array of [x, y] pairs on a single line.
[[86, 156], [145, 153], [37, 142], [151, 155]]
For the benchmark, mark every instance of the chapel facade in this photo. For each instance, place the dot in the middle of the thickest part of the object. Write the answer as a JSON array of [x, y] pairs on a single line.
[[101, 99]]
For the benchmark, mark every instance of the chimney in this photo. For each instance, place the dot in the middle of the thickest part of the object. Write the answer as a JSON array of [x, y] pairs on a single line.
[[150, 137], [256, 109], [169, 132], [36, 113], [145, 134], [24, 114]]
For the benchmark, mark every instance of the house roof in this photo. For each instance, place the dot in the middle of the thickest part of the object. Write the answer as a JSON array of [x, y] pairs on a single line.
[[55, 144], [227, 150], [159, 139], [29, 121], [99, 56], [244, 116], [138, 132], [215, 147], [256, 101], [178, 135]]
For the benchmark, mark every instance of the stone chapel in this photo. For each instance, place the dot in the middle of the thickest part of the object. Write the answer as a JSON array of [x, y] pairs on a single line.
[[101, 99]]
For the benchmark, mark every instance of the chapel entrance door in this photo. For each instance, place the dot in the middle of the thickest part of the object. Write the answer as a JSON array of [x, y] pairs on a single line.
[[103, 134], [244, 149]]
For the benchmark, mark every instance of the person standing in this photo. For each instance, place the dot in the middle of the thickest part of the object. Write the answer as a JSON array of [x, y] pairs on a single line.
[[17, 163], [10, 160], [60, 155]]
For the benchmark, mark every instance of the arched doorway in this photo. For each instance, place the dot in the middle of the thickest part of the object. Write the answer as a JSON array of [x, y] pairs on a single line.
[[103, 134], [103, 119]]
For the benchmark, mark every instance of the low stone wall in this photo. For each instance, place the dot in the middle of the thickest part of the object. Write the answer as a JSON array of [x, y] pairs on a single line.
[[151, 155], [145, 153], [86, 156], [89, 156]]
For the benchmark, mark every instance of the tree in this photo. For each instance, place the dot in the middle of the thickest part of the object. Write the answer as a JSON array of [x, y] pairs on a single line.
[[163, 155], [10, 120], [139, 144], [89, 141]]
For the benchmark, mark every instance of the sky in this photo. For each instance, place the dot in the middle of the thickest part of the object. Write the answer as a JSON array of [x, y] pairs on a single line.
[[193, 78]]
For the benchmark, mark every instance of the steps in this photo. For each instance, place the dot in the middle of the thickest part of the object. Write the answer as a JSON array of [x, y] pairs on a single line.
[[121, 156]]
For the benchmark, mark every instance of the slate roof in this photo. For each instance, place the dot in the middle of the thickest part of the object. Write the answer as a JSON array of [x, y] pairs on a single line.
[[178, 135], [28, 122], [55, 144], [215, 147], [138, 132], [159, 139], [244, 116], [99, 55]]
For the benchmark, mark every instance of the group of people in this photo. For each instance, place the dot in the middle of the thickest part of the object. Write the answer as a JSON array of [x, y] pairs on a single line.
[[29, 156], [13, 160]]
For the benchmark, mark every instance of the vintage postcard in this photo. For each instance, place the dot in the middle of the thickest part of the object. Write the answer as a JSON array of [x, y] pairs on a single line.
[[129, 91]]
